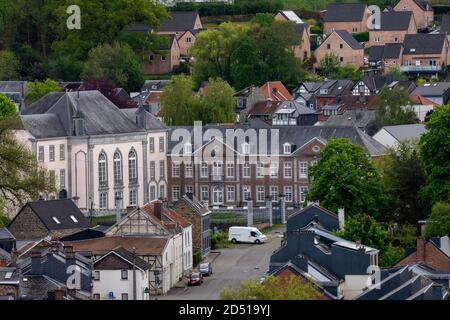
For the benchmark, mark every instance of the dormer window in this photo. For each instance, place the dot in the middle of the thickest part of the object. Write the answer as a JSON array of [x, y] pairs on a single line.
[[245, 148], [56, 220], [287, 148], [323, 91], [74, 219], [188, 148]]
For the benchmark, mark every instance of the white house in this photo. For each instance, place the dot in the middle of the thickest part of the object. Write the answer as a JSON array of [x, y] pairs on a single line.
[[121, 275], [390, 136], [95, 151]]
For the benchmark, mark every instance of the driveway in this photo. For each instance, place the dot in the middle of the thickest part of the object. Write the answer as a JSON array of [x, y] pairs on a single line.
[[234, 264]]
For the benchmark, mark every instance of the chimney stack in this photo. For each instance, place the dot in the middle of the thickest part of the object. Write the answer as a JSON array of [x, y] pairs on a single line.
[[36, 265], [157, 207], [341, 218], [420, 249]]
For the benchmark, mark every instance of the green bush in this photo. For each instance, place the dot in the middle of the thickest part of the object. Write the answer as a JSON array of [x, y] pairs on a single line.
[[197, 257], [361, 36], [219, 241], [316, 30], [4, 221]]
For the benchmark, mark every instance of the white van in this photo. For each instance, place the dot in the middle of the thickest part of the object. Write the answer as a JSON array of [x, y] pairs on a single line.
[[246, 234]]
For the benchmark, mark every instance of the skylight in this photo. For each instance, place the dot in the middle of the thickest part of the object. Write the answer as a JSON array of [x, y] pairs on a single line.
[[74, 219], [8, 275], [56, 220]]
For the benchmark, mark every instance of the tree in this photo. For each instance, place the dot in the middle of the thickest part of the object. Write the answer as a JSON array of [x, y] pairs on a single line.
[[364, 228], [9, 66], [394, 108], [348, 72], [263, 19], [329, 65], [435, 150], [7, 108], [438, 223], [36, 90], [106, 88], [274, 288], [344, 177], [117, 63], [217, 105], [404, 175], [178, 104], [397, 75]]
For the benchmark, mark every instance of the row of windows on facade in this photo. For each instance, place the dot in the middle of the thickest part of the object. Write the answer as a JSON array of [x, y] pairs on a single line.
[[217, 169], [287, 148], [218, 193], [132, 197]]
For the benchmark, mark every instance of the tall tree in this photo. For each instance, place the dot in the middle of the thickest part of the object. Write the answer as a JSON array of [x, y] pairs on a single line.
[[116, 62], [217, 105], [9, 66], [435, 151], [394, 108], [404, 175], [329, 65], [344, 177], [7, 108], [438, 223], [36, 90]]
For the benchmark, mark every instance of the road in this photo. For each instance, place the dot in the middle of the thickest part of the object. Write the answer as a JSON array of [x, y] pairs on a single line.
[[234, 264]]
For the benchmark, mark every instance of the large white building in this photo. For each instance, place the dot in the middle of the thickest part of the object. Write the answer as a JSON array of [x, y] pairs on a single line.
[[96, 152]]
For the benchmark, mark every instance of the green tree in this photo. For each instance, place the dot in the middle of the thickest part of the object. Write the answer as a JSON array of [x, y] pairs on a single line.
[[394, 108], [274, 288], [403, 175], [364, 228], [329, 65], [263, 19], [348, 72], [178, 105], [116, 62], [7, 108], [36, 90], [344, 177], [9, 66], [397, 75], [217, 106], [438, 223], [435, 150]]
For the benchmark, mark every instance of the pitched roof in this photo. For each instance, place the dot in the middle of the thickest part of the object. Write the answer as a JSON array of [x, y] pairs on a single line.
[[276, 91], [291, 16], [373, 82], [395, 20], [169, 217], [436, 89], [300, 28], [406, 131], [128, 256], [179, 21], [347, 37], [361, 118], [423, 4], [357, 102], [195, 204], [376, 53], [345, 12], [150, 121], [61, 210], [422, 100], [13, 86], [445, 24], [388, 51], [5, 234], [424, 43], [264, 108], [155, 85], [145, 246]]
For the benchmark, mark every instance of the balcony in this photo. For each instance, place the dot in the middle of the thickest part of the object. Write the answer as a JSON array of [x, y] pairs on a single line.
[[420, 69]]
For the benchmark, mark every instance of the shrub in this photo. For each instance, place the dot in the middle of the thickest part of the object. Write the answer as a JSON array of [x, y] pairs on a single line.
[[361, 36], [197, 257]]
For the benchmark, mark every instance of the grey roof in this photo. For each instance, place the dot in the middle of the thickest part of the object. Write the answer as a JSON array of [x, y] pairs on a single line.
[[15, 277], [336, 88], [5, 234], [5, 255], [100, 115], [61, 209], [436, 89], [395, 20], [180, 21], [150, 122], [424, 43], [299, 136], [13, 86], [363, 119], [345, 12], [195, 204], [374, 83], [388, 51], [445, 24], [406, 131], [155, 85], [38, 287], [127, 255], [347, 37], [300, 28]]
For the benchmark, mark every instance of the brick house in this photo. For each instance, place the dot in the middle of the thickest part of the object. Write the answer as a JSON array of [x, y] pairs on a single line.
[[425, 53], [431, 253], [243, 173], [55, 218], [421, 9], [343, 45], [393, 28], [386, 57], [351, 17], [302, 51], [165, 60], [245, 99], [445, 25], [329, 96]]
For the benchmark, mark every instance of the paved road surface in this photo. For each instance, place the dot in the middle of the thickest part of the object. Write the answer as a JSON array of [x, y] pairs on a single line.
[[241, 261]]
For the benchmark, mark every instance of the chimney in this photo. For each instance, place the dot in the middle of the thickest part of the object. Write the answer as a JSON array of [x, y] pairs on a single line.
[[14, 256], [69, 253], [36, 265], [157, 207], [341, 218], [420, 249]]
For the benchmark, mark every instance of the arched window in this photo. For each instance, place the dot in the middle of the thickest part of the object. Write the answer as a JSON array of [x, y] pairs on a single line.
[[117, 168], [132, 167], [102, 170]]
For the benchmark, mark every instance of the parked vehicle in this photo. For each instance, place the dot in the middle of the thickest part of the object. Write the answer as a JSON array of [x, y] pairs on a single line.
[[205, 269], [246, 234], [195, 279]]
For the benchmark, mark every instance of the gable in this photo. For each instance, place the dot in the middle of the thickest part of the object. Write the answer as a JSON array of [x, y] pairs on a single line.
[[324, 217], [309, 146], [112, 262], [27, 225], [137, 223]]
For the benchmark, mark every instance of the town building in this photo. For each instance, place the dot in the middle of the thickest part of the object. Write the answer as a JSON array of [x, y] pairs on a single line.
[[421, 9], [245, 99], [438, 92], [275, 91], [386, 57], [303, 50], [351, 17], [393, 28], [434, 254], [391, 136]]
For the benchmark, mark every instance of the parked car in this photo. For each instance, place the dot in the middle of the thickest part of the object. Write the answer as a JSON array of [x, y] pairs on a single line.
[[195, 279], [246, 234], [205, 269]]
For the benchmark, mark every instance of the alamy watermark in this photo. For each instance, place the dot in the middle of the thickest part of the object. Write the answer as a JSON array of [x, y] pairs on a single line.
[[74, 20]]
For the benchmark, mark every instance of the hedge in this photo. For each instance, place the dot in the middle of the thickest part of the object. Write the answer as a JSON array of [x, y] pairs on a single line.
[[239, 7], [361, 36]]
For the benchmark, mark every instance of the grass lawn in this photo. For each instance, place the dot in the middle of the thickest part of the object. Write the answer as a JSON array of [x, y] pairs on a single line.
[[105, 221]]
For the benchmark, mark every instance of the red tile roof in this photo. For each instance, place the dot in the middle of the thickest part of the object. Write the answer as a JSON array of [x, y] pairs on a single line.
[[276, 91], [264, 108], [171, 217], [422, 100], [153, 97], [357, 102]]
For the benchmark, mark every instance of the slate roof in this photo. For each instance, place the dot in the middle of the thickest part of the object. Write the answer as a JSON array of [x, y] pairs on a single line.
[[424, 43], [151, 123], [100, 115], [347, 37], [376, 53], [388, 51], [5, 255], [406, 131], [180, 21], [345, 12], [61, 209], [395, 20], [374, 83], [363, 119], [128, 257], [15, 277], [145, 246], [336, 88], [13, 86], [195, 204], [436, 89], [299, 136], [38, 287], [300, 28], [5, 234], [445, 24]]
